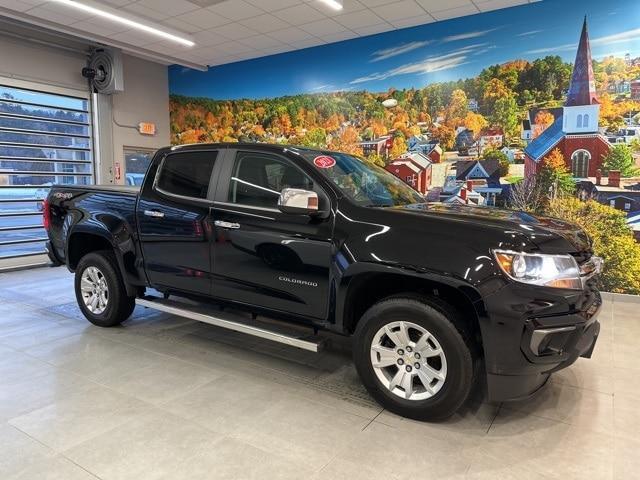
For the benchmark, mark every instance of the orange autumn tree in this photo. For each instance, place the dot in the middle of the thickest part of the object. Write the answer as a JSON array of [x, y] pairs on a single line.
[[457, 108], [347, 141], [475, 122], [543, 120], [554, 177]]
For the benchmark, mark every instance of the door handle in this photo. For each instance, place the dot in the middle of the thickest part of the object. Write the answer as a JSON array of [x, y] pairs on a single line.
[[221, 224], [154, 213]]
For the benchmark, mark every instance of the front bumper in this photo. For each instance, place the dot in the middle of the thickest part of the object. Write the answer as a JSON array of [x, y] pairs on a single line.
[[527, 339]]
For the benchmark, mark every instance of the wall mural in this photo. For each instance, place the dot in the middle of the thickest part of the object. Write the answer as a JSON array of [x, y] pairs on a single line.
[[534, 107]]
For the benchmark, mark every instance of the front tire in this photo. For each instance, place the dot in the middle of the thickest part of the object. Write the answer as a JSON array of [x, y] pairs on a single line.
[[412, 359], [100, 291]]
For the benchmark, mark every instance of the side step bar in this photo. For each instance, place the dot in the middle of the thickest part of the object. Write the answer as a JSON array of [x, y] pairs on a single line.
[[233, 322]]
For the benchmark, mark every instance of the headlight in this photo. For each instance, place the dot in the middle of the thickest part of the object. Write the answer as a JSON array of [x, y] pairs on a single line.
[[559, 271]]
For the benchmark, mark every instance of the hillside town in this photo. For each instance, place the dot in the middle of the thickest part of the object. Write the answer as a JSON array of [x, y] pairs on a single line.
[[467, 142]]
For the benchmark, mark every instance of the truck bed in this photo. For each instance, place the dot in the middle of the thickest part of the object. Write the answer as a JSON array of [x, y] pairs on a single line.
[[128, 189]]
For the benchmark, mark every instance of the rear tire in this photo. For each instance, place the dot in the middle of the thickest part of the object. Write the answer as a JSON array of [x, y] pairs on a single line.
[[412, 359], [100, 291]]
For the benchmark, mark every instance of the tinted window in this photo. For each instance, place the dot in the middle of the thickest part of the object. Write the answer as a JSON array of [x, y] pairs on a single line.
[[258, 179], [187, 174], [366, 184]]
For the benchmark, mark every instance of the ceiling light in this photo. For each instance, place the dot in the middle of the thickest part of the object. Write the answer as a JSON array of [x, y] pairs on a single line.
[[104, 13], [335, 4]]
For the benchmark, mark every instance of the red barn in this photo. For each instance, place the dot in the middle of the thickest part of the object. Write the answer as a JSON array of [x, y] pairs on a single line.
[[575, 132], [420, 162]]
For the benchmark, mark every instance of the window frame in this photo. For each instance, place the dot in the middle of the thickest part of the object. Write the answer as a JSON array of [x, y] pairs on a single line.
[[183, 198], [580, 155], [222, 192]]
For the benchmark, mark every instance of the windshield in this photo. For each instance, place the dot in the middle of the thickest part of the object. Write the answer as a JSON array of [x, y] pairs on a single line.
[[367, 185]]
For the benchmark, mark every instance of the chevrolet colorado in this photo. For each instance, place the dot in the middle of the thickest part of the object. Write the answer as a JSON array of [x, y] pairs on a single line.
[[429, 292]]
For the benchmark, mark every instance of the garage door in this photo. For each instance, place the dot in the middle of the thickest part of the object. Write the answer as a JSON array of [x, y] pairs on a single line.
[[45, 139]]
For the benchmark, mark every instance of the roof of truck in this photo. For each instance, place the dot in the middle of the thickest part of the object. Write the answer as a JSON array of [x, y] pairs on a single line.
[[266, 146]]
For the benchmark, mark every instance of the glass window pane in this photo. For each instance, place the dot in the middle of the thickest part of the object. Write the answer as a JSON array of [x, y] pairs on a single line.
[[11, 93], [259, 178], [187, 174], [137, 162], [43, 126], [22, 249], [43, 112], [7, 151], [39, 139], [27, 234], [43, 179], [26, 166]]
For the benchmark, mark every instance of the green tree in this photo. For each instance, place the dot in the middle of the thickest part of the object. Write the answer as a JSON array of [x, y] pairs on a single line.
[[375, 159], [505, 114], [502, 159], [315, 137], [620, 157], [612, 240]]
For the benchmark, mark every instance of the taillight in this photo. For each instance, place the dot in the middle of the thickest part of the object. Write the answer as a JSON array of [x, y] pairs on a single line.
[[46, 214]]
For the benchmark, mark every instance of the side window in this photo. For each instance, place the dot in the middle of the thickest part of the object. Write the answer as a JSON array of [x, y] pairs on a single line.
[[258, 178], [187, 174]]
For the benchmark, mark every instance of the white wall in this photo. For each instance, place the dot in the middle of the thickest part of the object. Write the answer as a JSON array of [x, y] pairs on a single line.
[[145, 99]]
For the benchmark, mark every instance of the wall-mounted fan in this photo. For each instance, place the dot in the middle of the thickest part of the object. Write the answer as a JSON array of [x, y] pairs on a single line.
[[104, 71]]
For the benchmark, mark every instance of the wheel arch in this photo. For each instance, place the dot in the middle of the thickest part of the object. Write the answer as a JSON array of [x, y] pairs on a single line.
[[82, 242], [363, 289]]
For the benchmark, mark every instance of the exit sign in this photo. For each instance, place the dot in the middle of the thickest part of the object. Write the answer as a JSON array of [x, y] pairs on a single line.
[[146, 128]]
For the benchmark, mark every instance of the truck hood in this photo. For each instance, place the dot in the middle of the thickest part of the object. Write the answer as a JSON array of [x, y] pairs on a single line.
[[548, 234]]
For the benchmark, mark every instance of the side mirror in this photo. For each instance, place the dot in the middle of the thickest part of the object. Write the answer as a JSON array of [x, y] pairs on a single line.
[[298, 201]]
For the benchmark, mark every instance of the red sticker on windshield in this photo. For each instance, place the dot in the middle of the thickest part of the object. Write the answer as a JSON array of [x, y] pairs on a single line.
[[324, 161]]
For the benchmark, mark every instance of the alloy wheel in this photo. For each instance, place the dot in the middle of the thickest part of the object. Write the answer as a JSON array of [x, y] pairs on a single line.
[[408, 360], [95, 291]]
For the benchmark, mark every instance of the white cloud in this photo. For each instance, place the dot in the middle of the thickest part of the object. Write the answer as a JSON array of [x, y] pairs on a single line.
[[529, 33], [558, 48], [622, 37], [428, 65], [397, 50], [465, 36], [320, 87], [627, 36]]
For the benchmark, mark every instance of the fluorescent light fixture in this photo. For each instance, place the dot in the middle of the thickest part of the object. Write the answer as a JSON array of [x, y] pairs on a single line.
[[335, 4], [100, 12]]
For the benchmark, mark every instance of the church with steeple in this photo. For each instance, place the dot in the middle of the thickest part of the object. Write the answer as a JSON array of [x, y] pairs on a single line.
[[575, 132]]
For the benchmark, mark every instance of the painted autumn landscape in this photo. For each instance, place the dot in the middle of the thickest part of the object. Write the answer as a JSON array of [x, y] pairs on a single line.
[[557, 134], [501, 95]]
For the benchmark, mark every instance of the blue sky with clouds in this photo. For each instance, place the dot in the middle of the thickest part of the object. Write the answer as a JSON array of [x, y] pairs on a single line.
[[418, 56]]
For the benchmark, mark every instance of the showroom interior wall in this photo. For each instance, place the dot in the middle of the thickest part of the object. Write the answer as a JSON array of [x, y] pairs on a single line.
[[145, 98]]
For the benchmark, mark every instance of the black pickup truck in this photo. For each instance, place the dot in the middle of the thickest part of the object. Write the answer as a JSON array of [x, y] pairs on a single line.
[[430, 292]]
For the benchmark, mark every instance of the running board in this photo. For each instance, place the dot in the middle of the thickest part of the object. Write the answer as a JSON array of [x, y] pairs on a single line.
[[235, 322]]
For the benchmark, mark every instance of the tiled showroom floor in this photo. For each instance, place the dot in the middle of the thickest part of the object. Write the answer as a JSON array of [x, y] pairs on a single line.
[[168, 398]]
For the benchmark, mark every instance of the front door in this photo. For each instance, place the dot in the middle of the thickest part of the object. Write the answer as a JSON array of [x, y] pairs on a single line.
[[264, 257], [174, 222]]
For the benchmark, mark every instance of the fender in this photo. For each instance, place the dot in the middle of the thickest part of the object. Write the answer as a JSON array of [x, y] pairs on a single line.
[[115, 231], [360, 268]]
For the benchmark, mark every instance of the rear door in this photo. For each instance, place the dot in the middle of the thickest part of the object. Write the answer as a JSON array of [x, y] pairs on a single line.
[[173, 217], [264, 257]]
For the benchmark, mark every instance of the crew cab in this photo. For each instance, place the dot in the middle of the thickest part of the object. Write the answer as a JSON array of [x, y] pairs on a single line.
[[429, 292]]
